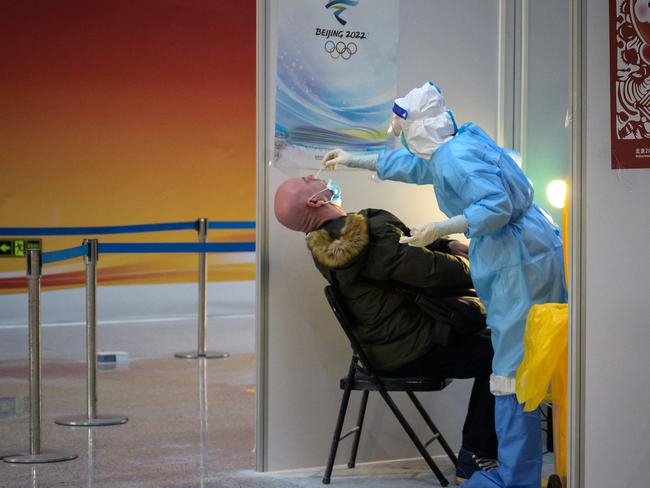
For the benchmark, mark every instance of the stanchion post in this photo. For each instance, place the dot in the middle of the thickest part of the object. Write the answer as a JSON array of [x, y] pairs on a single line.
[[203, 296], [91, 418], [36, 454], [91, 327], [202, 229], [34, 320]]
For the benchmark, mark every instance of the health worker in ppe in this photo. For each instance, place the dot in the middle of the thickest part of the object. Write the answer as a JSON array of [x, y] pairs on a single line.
[[515, 251]]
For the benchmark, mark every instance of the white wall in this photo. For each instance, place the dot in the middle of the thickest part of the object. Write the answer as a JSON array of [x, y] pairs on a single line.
[[617, 382], [305, 352]]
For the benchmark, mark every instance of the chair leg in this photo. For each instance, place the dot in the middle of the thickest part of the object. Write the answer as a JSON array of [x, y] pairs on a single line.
[[414, 438], [434, 429], [337, 434], [357, 434]]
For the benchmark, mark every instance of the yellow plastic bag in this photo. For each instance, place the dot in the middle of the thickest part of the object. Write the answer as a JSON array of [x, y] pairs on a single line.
[[545, 345], [545, 362]]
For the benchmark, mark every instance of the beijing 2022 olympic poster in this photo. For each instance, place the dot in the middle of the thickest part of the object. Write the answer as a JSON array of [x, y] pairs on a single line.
[[336, 77], [630, 83]]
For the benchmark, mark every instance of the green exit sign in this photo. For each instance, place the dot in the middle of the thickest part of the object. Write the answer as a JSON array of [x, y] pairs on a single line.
[[17, 248]]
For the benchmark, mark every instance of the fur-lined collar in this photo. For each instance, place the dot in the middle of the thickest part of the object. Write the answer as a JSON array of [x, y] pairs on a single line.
[[334, 252]]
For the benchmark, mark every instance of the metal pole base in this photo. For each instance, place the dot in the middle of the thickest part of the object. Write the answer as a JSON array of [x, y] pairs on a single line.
[[45, 456], [16, 452], [207, 355], [97, 421]]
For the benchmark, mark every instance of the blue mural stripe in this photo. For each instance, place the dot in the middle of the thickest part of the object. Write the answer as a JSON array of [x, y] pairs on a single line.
[[120, 229], [244, 224], [174, 247]]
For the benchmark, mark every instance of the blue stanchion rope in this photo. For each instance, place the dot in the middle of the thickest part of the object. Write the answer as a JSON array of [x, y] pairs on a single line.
[[120, 229], [148, 247], [64, 254]]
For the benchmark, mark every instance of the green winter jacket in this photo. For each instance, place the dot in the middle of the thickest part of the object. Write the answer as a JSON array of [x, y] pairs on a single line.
[[361, 256]]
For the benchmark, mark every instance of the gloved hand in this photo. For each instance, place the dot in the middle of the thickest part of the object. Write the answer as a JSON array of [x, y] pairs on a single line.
[[344, 158], [425, 235]]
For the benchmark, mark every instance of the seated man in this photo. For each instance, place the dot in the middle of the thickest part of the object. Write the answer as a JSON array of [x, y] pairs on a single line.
[[360, 254]]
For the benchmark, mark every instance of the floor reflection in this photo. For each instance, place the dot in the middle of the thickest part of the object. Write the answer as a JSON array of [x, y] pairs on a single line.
[[91, 462], [171, 404], [203, 419]]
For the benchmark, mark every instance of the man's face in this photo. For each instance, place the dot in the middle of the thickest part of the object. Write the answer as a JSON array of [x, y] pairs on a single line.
[[292, 200], [313, 185]]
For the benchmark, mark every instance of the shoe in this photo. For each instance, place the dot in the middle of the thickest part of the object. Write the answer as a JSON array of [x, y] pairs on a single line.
[[468, 463]]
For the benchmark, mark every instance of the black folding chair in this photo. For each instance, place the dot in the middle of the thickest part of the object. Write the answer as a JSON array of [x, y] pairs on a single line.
[[361, 377]]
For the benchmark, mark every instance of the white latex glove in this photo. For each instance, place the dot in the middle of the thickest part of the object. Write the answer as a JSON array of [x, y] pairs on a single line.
[[344, 158], [425, 235]]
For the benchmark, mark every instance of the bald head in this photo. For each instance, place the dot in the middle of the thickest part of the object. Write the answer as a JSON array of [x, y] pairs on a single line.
[[302, 205]]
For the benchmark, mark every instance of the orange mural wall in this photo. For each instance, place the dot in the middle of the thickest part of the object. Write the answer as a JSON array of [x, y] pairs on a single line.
[[122, 112]]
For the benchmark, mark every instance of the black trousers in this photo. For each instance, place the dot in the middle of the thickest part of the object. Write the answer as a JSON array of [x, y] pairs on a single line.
[[469, 357]]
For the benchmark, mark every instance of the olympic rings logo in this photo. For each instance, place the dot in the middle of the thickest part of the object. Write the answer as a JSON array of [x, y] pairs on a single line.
[[340, 49]]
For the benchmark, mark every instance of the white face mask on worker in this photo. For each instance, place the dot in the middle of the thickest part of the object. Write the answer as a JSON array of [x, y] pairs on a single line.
[[423, 136]]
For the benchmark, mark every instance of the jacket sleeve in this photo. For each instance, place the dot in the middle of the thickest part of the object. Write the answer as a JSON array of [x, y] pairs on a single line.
[[441, 245], [414, 266], [401, 165]]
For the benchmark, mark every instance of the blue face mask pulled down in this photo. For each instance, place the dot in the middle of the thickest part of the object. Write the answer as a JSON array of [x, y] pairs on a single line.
[[332, 186]]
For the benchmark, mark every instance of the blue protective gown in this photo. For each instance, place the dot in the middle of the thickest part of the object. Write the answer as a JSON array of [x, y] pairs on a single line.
[[516, 261], [515, 250]]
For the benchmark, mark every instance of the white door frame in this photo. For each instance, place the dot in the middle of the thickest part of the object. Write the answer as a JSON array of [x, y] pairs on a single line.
[[577, 275], [577, 278], [261, 244]]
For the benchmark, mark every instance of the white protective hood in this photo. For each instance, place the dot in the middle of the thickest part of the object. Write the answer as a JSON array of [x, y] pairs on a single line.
[[423, 120]]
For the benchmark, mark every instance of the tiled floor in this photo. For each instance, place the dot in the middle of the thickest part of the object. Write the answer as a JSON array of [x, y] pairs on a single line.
[[172, 439], [190, 425]]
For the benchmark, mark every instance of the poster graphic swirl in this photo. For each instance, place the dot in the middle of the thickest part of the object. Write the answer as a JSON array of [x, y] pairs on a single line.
[[336, 77]]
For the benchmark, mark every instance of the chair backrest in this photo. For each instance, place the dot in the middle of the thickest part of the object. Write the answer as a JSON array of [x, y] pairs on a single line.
[[347, 323]]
